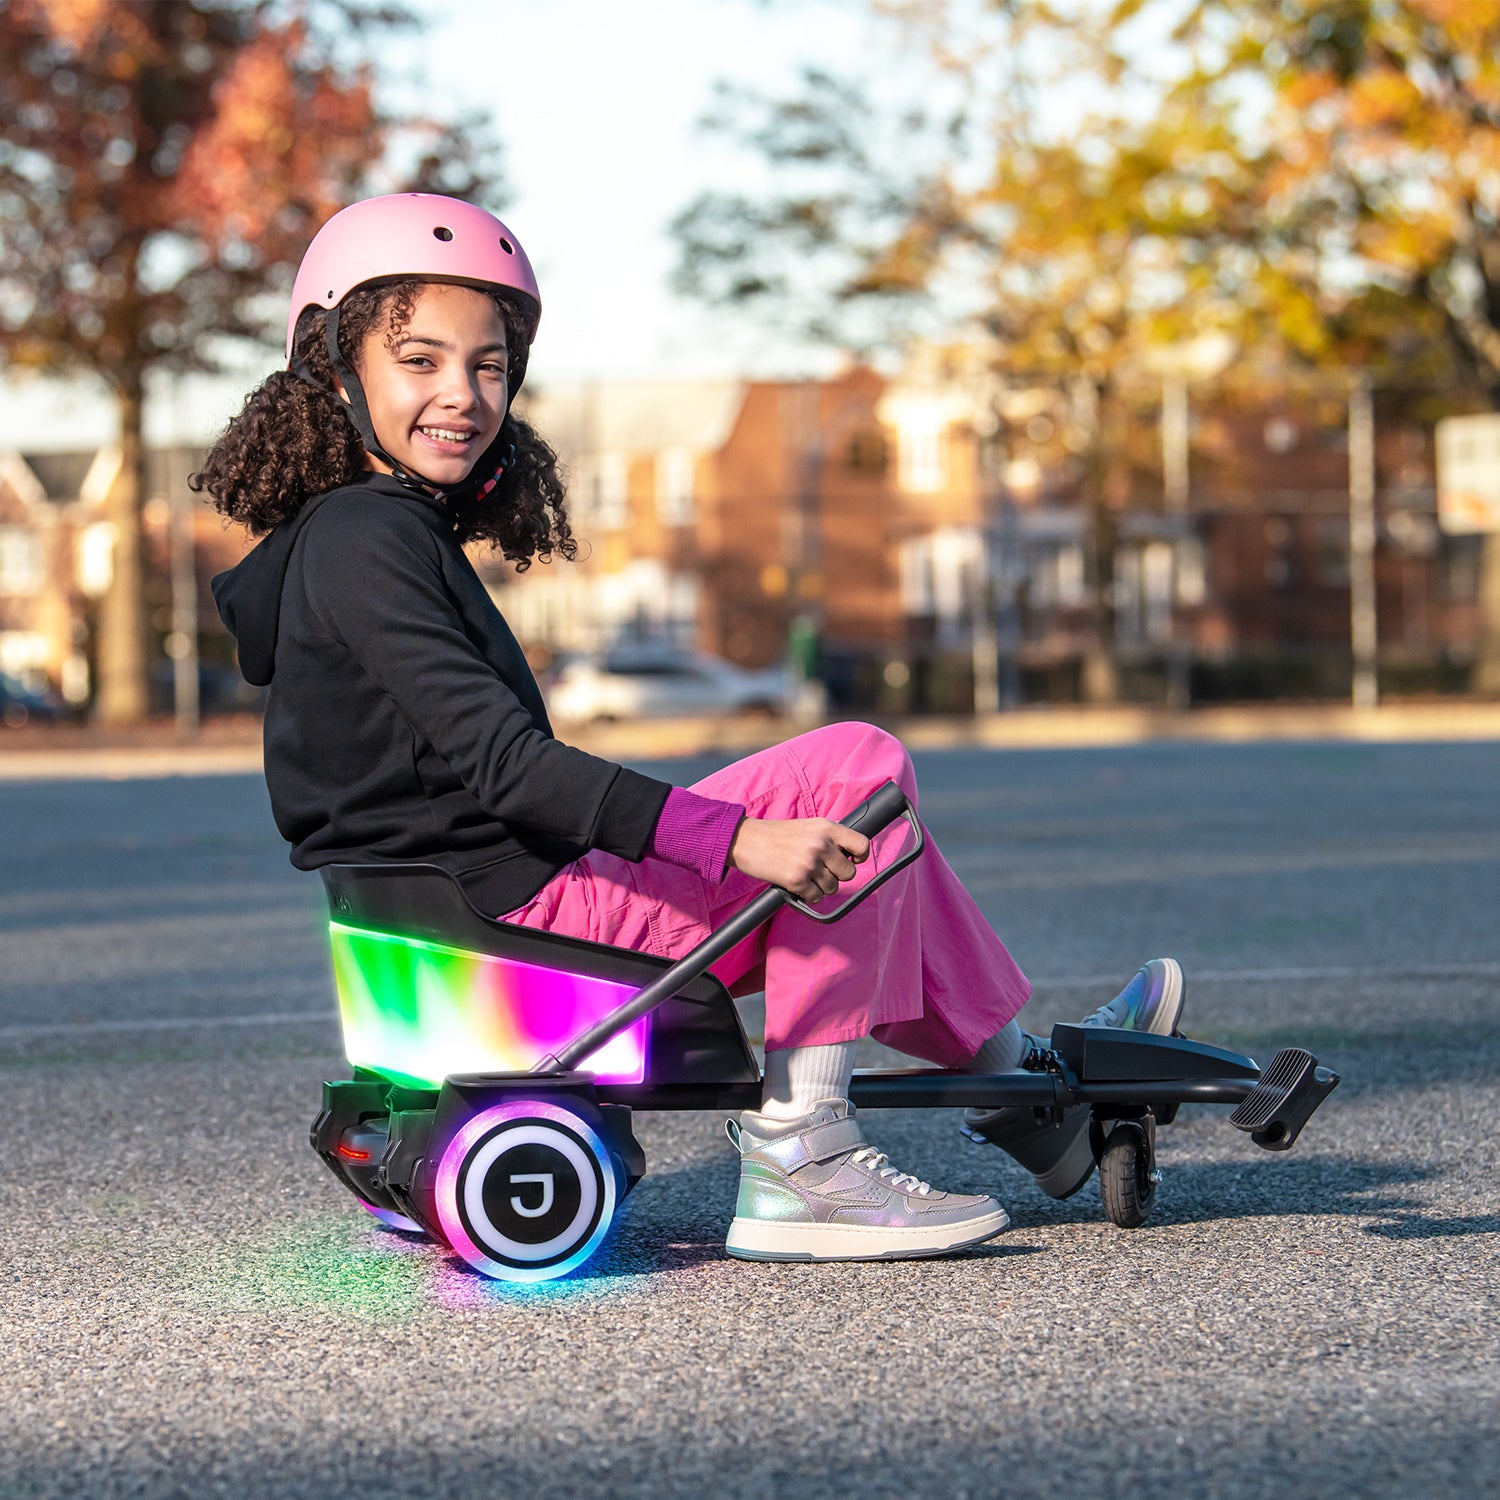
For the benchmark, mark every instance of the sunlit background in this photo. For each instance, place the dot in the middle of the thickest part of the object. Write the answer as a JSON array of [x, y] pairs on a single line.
[[907, 356]]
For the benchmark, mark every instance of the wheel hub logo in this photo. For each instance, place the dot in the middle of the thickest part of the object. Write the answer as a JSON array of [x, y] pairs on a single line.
[[518, 1205]]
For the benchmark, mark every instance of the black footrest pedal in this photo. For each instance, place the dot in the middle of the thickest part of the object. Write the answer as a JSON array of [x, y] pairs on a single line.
[[1291, 1087]]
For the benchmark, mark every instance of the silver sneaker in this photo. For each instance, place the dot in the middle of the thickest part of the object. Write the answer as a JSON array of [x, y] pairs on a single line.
[[815, 1189], [1152, 1001], [1059, 1156]]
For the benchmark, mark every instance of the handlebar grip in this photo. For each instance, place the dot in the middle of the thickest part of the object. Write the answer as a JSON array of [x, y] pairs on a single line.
[[881, 810]]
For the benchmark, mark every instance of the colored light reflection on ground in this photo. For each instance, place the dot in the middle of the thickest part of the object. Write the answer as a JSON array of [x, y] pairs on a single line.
[[417, 1011]]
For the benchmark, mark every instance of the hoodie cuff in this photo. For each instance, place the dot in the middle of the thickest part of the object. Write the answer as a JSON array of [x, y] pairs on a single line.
[[695, 833]]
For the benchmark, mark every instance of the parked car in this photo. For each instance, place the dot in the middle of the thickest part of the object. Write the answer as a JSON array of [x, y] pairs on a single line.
[[20, 704], [658, 682]]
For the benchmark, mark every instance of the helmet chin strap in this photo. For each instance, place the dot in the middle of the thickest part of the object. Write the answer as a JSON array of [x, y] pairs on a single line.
[[482, 478]]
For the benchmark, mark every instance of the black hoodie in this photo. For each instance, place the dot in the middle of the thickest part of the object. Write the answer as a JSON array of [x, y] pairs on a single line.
[[403, 722]]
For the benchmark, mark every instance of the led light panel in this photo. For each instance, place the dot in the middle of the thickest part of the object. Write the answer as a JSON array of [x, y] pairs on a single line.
[[417, 1011]]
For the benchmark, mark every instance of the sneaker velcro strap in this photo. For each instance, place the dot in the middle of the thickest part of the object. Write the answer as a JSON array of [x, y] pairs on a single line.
[[834, 1138]]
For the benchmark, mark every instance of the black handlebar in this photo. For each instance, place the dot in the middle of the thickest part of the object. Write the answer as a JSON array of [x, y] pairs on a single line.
[[878, 811]]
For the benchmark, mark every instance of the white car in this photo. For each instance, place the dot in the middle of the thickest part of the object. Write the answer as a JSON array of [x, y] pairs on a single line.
[[647, 682]]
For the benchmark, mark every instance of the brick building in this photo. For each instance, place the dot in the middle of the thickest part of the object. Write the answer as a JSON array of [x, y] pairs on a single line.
[[55, 564], [1270, 505], [923, 554], [717, 514], [47, 559]]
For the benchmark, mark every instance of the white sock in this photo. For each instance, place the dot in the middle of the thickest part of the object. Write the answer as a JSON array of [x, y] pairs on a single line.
[[1002, 1052], [797, 1077]]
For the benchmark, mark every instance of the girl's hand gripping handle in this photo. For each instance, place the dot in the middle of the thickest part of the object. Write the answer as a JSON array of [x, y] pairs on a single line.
[[808, 857], [883, 808]]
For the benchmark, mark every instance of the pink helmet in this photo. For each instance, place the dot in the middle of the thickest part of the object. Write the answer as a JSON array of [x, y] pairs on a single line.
[[433, 238], [412, 234]]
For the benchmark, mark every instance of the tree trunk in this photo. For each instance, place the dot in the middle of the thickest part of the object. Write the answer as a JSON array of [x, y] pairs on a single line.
[[1486, 677], [1101, 675], [123, 690]]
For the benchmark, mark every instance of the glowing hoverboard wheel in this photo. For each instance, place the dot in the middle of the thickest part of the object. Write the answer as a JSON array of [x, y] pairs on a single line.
[[525, 1191], [388, 1218]]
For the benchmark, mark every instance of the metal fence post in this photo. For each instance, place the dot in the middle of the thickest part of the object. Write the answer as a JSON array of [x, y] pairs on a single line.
[[1362, 618]]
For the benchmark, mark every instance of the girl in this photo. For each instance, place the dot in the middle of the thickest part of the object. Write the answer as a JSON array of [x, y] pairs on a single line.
[[403, 723]]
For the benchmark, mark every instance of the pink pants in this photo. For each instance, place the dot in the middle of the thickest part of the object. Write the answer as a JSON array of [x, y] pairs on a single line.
[[917, 966]]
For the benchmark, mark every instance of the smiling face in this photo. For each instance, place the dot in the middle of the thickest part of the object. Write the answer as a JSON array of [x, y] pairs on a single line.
[[436, 386]]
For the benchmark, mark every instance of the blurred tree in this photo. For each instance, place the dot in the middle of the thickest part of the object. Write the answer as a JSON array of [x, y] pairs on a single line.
[[1376, 197], [1318, 181], [1052, 251], [1372, 128], [163, 164]]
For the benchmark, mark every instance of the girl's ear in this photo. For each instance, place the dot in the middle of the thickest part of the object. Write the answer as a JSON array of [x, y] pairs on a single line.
[[338, 386]]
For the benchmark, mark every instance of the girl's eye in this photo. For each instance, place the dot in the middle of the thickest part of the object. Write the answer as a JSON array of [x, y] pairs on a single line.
[[417, 359]]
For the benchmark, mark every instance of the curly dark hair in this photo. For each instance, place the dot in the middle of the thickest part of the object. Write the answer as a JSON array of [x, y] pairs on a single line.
[[294, 439]]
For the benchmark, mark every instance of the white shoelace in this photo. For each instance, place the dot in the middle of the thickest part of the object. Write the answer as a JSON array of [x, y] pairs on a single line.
[[880, 1163]]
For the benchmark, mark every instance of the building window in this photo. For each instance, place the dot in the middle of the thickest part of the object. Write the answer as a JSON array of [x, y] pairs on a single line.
[[1333, 554], [919, 439], [866, 453], [643, 603], [1157, 568], [1192, 573], [675, 474], [917, 592], [21, 571], [1057, 577], [609, 491], [942, 576], [1459, 576], [1281, 435], [1281, 556]]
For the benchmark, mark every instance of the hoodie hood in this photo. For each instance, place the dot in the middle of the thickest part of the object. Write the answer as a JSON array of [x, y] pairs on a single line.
[[248, 596]]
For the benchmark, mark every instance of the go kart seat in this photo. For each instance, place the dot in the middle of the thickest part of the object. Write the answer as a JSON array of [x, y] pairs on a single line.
[[428, 986]]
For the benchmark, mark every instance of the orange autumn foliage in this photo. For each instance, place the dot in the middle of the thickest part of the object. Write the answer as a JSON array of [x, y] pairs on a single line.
[[162, 163]]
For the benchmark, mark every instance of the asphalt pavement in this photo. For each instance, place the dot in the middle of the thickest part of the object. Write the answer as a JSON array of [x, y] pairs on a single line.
[[191, 1306]]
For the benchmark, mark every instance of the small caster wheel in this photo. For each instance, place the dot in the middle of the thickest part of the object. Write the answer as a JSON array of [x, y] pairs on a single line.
[[526, 1191], [1127, 1179]]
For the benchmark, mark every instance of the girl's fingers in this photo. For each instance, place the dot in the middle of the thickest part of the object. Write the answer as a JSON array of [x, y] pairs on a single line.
[[855, 845], [843, 857], [837, 867]]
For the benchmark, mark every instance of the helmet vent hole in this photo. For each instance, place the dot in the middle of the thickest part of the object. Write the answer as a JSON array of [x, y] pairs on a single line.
[[442, 233], [506, 246]]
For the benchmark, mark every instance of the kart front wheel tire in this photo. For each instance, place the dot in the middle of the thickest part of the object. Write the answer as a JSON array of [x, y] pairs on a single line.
[[1125, 1177]]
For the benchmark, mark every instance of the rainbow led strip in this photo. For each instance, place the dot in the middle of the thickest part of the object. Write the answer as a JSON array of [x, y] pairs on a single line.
[[417, 1011]]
